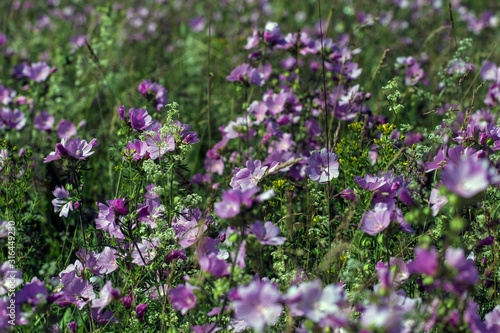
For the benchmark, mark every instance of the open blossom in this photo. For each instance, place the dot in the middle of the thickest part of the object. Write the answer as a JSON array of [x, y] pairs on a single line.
[[66, 129], [469, 177], [38, 71], [106, 260], [426, 261], [323, 166], [44, 121], [106, 294], [437, 201], [258, 304], [246, 74], [267, 233], [183, 298], [14, 119], [61, 205], [248, 177], [318, 304], [156, 91], [106, 220], [140, 119], [137, 150], [160, 145], [78, 292], [76, 148], [233, 199], [7, 95], [376, 220]]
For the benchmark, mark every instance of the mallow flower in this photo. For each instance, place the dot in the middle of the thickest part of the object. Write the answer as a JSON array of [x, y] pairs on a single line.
[[322, 166], [183, 298], [59, 203], [258, 304], [267, 233], [469, 177], [76, 148]]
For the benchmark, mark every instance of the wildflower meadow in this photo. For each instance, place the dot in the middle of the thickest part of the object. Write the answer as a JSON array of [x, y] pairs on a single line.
[[249, 166]]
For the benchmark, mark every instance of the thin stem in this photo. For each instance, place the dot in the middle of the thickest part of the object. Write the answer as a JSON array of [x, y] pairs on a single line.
[[327, 131]]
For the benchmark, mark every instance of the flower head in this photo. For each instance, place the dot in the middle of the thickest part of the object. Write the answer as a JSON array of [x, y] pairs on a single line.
[[258, 304], [61, 205], [76, 148], [322, 166], [469, 177], [267, 233]]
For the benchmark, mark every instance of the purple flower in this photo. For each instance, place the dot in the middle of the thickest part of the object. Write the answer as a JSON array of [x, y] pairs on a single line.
[[72, 326], [76, 148], [272, 34], [140, 310], [437, 201], [258, 304], [105, 295], [159, 145], [145, 251], [106, 220], [469, 177], [61, 205], [120, 206], [7, 95], [246, 74], [376, 220], [38, 71], [183, 298], [232, 200], [154, 91], [79, 292], [348, 194], [33, 292], [121, 112], [318, 304], [140, 119], [136, 149], [253, 40], [466, 272], [103, 318], [65, 129], [9, 278], [217, 267], [206, 328], [14, 119], [150, 211], [197, 24], [426, 261], [322, 166], [492, 319], [267, 234], [248, 177], [44, 121], [107, 261], [238, 74]]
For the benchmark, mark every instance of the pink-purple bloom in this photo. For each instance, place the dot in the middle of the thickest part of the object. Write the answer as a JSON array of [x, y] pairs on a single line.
[[155, 91], [267, 233], [76, 148], [66, 129], [248, 177], [258, 304], [469, 177], [323, 166], [106, 294], [14, 119], [61, 203], [183, 297], [44, 121]]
